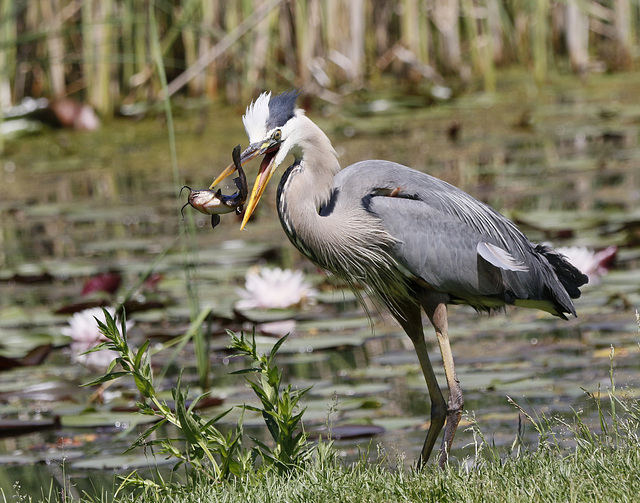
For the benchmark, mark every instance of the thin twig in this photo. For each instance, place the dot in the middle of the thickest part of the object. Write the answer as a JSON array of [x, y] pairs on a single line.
[[220, 48]]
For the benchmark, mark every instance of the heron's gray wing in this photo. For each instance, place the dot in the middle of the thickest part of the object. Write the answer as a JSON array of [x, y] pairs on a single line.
[[443, 197], [437, 248], [447, 238]]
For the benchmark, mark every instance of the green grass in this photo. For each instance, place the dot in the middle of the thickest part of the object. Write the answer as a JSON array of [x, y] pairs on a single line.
[[595, 473], [573, 461]]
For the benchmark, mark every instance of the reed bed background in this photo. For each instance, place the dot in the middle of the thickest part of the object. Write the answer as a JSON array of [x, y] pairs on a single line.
[[100, 51]]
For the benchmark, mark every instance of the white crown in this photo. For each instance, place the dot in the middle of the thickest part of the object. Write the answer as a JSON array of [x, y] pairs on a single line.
[[255, 118]]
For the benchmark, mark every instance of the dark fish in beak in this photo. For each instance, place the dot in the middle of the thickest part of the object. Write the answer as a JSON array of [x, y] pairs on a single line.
[[215, 203]]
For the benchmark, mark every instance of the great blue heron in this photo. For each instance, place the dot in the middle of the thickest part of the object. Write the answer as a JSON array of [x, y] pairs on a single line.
[[411, 239]]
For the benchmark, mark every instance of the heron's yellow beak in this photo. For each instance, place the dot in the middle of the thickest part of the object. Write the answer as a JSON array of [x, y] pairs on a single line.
[[229, 170], [267, 168]]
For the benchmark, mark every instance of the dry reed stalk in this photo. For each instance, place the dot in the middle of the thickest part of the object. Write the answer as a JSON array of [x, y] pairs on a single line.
[[259, 48], [138, 34], [413, 38], [30, 77], [335, 29], [52, 17], [220, 48], [410, 27], [346, 39], [424, 32], [446, 15], [97, 47], [468, 12], [272, 66], [382, 14], [127, 32], [539, 36], [487, 54], [185, 28], [8, 46], [287, 40], [521, 32], [308, 19], [496, 23], [577, 36], [480, 41], [356, 47], [208, 77], [623, 23]]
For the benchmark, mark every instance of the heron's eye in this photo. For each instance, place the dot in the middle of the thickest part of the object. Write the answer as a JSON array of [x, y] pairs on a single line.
[[277, 134]]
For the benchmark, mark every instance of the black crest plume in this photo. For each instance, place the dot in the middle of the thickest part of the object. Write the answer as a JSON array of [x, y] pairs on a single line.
[[281, 109]]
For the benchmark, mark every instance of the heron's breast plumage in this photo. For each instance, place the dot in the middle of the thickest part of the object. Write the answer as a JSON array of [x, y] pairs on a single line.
[[339, 235]]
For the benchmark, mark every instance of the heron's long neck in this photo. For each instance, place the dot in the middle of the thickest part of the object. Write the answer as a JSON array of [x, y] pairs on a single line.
[[307, 186], [318, 165], [327, 222]]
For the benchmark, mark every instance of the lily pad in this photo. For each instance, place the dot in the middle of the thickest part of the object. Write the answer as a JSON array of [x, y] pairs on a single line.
[[355, 390], [121, 420], [266, 315], [349, 431], [333, 324], [120, 463], [12, 427]]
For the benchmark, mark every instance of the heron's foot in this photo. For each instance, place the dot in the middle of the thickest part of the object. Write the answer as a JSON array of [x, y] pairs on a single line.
[[438, 418], [453, 419]]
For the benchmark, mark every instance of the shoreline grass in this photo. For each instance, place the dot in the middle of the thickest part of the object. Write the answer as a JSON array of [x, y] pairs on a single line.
[[572, 461], [591, 472]]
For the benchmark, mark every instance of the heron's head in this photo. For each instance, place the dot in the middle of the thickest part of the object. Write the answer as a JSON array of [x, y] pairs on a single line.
[[273, 125]]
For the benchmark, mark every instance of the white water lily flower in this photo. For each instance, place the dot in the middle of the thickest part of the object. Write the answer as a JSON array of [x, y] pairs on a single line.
[[593, 264], [85, 334], [275, 288]]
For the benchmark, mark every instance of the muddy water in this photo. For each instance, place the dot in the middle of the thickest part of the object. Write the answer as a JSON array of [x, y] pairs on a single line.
[[563, 162]]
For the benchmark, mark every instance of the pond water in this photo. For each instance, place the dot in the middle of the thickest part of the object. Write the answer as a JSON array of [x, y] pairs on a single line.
[[563, 162]]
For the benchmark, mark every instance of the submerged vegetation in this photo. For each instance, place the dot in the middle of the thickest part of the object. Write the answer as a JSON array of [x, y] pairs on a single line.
[[100, 50]]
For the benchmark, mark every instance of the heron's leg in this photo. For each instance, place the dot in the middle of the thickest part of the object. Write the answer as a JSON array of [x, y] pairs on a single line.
[[410, 319], [437, 313]]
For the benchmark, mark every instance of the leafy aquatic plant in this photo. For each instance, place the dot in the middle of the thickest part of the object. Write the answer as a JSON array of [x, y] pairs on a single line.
[[279, 406], [199, 444]]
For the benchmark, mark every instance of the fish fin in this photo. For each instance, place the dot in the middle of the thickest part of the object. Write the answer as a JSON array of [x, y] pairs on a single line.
[[215, 220]]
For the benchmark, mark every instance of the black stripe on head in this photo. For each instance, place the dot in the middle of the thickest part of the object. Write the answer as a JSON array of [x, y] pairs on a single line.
[[281, 109]]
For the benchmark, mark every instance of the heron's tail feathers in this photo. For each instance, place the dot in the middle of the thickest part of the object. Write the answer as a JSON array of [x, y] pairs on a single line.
[[568, 274], [570, 280]]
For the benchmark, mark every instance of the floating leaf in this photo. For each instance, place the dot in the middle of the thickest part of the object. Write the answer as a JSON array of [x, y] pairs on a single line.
[[121, 420], [348, 431], [121, 463]]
